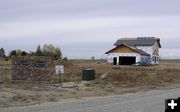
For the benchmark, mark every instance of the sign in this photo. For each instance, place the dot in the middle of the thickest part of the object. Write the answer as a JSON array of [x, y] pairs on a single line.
[[59, 69], [38, 67]]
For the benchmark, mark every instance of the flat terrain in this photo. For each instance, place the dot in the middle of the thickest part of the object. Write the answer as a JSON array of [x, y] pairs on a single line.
[[152, 101], [119, 80]]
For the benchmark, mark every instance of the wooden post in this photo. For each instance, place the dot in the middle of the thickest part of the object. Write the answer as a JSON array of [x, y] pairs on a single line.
[[59, 77]]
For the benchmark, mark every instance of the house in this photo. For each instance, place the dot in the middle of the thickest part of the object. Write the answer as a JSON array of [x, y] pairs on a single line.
[[139, 50]]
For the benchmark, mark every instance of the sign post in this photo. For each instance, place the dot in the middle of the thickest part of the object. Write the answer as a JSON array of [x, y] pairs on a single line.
[[59, 77], [59, 71]]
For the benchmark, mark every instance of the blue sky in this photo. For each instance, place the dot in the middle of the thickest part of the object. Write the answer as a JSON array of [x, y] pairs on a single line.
[[85, 28]]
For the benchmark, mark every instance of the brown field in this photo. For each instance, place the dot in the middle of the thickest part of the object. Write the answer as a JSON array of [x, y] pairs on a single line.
[[120, 80]]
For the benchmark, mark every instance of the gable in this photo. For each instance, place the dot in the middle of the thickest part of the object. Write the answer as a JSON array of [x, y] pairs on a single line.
[[156, 49], [122, 49], [127, 49], [155, 52]]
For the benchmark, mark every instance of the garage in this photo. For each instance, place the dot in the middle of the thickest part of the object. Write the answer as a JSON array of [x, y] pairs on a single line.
[[124, 60]]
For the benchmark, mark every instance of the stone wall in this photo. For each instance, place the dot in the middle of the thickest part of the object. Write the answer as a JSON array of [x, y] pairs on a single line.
[[31, 68]]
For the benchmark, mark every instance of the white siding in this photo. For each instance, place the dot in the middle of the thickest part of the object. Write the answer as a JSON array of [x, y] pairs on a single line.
[[150, 50], [155, 58], [117, 55], [147, 49], [146, 59]]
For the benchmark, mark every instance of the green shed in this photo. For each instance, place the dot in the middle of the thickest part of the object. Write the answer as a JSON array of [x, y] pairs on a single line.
[[88, 74]]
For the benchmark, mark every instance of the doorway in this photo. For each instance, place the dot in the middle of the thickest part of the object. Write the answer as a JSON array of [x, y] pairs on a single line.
[[114, 61]]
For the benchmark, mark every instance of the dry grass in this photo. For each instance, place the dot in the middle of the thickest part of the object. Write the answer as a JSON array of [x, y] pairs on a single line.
[[129, 74], [5, 76], [3, 62], [119, 81], [152, 78]]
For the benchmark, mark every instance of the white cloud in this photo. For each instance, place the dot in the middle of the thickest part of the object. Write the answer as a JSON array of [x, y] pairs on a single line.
[[43, 27], [88, 32], [140, 25]]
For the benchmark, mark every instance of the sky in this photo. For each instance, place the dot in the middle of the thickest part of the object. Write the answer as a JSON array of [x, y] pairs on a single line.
[[86, 28]]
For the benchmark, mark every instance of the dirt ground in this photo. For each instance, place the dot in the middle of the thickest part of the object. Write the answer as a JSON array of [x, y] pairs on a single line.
[[117, 80]]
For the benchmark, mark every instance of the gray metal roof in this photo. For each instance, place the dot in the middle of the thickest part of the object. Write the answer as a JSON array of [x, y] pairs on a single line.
[[139, 41], [142, 52]]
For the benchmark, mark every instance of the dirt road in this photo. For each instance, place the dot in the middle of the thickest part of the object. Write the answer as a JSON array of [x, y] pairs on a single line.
[[152, 101]]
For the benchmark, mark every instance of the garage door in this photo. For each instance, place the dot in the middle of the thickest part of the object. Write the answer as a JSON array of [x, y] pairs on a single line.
[[123, 60]]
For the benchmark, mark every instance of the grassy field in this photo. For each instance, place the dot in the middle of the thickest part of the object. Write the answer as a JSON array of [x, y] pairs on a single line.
[[5, 63], [119, 80]]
